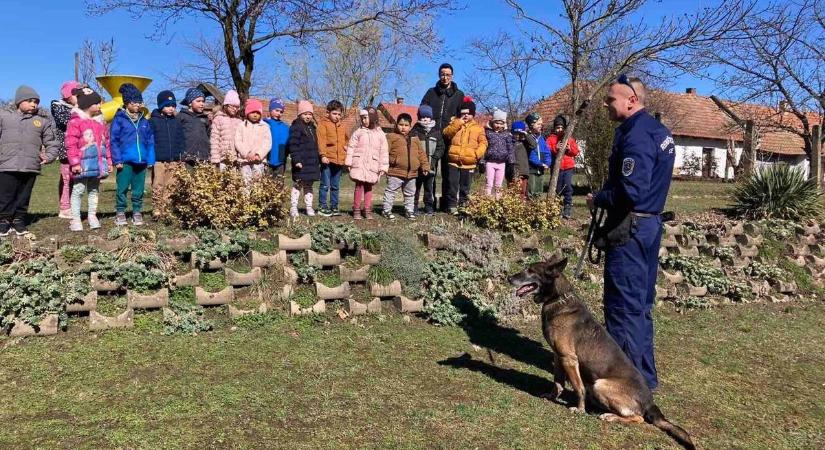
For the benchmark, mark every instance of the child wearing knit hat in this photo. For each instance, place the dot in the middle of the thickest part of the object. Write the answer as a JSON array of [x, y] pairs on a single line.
[[224, 124], [500, 152], [170, 144], [89, 154], [279, 132], [62, 113], [133, 151], [306, 161], [540, 157], [524, 143], [426, 130], [196, 127], [468, 144], [253, 141]]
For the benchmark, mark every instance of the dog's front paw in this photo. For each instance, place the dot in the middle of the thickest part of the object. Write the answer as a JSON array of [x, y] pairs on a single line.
[[576, 410], [555, 392]]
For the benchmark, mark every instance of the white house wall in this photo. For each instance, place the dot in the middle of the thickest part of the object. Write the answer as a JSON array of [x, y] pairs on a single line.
[[688, 147]]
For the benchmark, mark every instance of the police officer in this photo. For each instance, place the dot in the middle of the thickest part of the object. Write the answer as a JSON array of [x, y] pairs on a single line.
[[634, 195]]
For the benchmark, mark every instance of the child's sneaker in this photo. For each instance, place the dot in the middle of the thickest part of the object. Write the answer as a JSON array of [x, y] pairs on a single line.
[[120, 219], [336, 212], [20, 227], [137, 219], [65, 214], [388, 215], [5, 229], [76, 225], [410, 215], [368, 214], [356, 215], [310, 211], [293, 212], [428, 211], [94, 222], [325, 212]]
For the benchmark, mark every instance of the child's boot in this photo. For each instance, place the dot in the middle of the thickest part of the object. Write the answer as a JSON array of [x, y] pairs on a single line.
[[77, 225], [308, 202], [120, 219], [137, 218], [356, 214], [294, 195], [94, 222]]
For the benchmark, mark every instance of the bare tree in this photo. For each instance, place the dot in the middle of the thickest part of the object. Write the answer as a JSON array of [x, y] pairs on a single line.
[[209, 66], [594, 40], [96, 59], [503, 67], [249, 26], [778, 61]]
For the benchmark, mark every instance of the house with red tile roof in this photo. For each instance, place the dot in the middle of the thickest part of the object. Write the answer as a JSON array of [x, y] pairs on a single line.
[[708, 142]]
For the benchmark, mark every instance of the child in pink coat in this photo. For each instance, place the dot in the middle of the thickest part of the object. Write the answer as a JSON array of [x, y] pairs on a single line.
[[368, 159], [222, 137], [89, 153], [253, 140]]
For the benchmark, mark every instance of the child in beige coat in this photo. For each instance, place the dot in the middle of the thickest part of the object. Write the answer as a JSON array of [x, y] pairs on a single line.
[[253, 140]]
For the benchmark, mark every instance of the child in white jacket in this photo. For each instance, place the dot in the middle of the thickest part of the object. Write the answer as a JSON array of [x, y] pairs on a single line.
[[253, 140]]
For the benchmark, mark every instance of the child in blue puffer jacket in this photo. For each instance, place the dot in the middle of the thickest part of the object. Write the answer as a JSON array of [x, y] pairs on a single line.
[[133, 151], [541, 159]]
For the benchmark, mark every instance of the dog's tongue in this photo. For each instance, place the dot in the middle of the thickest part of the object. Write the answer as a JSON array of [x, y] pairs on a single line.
[[526, 289]]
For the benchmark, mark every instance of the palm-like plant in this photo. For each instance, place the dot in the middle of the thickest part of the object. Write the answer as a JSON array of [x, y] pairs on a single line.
[[777, 192]]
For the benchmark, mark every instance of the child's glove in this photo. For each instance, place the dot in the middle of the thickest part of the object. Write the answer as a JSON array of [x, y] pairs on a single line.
[[76, 169]]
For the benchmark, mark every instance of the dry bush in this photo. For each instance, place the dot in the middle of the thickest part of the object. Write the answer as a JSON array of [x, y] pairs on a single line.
[[513, 214]]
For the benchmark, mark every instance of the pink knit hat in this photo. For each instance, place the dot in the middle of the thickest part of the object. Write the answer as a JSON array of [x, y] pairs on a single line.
[[232, 98], [253, 105], [67, 88], [305, 106]]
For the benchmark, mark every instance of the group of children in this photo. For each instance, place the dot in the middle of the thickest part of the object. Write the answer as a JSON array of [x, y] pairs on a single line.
[[88, 150]]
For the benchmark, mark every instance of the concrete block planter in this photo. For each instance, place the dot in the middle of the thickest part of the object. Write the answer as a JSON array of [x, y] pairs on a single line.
[[808, 230], [687, 251], [716, 262], [799, 261], [673, 278], [815, 261], [215, 264], [234, 312], [745, 239], [330, 259], [223, 297], [741, 263], [736, 228], [686, 241], [320, 307], [374, 306], [752, 229], [356, 308], [354, 275], [808, 240], [663, 252], [436, 241], [46, 327], [242, 279], [178, 245], [262, 260], [189, 279], [107, 245], [526, 243], [697, 291], [89, 303], [786, 287], [332, 293], [747, 252], [98, 322], [286, 292], [720, 241], [103, 285], [798, 250], [290, 275], [158, 299], [669, 242], [369, 258], [391, 290], [815, 249], [293, 245], [673, 230], [406, 305], [760, 288]]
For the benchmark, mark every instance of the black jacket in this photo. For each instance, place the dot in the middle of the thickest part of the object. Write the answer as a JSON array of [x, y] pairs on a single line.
[[432, 142], [196, 135], [61, 113], [169, 139], [445, 102], [303, 148]]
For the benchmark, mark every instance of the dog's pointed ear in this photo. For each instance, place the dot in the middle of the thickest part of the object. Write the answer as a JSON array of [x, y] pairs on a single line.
[[560, 265]]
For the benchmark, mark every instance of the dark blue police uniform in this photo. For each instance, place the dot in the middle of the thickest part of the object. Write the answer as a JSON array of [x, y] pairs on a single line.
[[640, 170]]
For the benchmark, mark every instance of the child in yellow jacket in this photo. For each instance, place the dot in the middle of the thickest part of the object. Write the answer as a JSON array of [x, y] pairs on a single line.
[[468, 144]]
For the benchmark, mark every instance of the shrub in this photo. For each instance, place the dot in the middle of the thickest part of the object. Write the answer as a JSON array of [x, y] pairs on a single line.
[[777, 192], [207, 196], [449, 281], [326, 235], [403, 257], [211, 244], [513, 214]]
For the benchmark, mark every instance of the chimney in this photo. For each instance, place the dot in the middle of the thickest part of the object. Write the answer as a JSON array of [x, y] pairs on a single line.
[[691, 91], [399, 100]]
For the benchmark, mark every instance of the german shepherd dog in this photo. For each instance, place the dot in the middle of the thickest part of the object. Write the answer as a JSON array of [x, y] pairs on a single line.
[[586, 355]]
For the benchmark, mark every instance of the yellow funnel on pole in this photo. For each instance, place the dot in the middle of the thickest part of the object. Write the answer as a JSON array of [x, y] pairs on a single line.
[[112, 84]]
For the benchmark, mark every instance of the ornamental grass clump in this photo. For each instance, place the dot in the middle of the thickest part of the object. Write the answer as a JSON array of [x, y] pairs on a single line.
[[207, 196], [777, 192], [511, 213]]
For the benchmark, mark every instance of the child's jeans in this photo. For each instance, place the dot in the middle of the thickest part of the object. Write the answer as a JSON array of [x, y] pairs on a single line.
[[407, 186], [250, 171], [461, 181], [301, 187], [330, 184], [15, 194], [495, 177], [64, 186], [363, 191], [427, 182], [130, 176], [80, 187]]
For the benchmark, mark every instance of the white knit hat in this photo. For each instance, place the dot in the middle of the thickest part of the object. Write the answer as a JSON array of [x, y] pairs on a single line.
[[499, 115]]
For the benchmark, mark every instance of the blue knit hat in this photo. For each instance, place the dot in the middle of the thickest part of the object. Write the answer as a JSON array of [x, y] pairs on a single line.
[[276, 103], [130, 93], [532, 118], [519, 127], [425, 111], [191, 94], [166, 98]]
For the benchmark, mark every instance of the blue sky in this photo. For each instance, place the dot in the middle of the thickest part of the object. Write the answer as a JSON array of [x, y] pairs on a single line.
[[40, 38]]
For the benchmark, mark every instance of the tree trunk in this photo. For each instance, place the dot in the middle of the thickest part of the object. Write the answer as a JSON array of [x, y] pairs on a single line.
[[816, 155], [748, 160]]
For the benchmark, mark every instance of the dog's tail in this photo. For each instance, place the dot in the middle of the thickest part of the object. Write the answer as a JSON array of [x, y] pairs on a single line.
[[654, 416]]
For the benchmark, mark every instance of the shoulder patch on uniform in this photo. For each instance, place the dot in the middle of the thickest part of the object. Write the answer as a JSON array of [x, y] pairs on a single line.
[[628, 164], [667, 143]]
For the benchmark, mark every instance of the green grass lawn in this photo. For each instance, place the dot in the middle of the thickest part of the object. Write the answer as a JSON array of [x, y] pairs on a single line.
[[736, 377]]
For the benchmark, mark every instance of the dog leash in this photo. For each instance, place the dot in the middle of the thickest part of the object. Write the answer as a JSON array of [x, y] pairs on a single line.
[[596, 218]]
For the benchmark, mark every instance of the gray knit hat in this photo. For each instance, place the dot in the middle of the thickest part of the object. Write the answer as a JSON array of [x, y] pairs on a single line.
[[24, 93], [499, 115]]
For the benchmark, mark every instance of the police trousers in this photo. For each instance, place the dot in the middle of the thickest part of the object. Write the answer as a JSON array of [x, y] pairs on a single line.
[[630, 272]]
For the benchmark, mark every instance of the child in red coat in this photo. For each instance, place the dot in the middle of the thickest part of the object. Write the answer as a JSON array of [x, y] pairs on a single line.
[[568, 164]]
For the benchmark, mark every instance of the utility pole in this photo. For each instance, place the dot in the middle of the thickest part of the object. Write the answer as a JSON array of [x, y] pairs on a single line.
[[816, 156], [77, 66]]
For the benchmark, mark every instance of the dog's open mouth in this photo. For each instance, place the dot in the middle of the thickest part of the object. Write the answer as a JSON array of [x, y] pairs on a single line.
[[526, 289]]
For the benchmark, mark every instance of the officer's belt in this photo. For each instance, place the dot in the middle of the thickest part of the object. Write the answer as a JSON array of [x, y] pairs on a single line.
[[644, 215]]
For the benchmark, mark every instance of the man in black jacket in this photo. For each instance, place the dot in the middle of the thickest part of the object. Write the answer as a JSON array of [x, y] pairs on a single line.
[[445, 99], [196, 126]]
